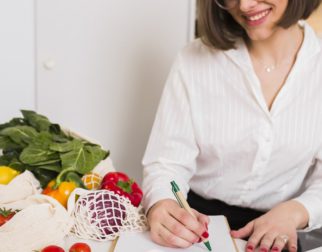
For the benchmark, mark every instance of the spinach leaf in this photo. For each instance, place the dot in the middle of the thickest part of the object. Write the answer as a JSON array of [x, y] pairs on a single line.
[[51, 167], [39, 122], [4, 160], [21, 135], [17, 165], [44, 176], [11, 154], [67, 146], [13, 122], [7, 143], [58, 135], [38, 152], [43, 139], [83, 159], [37, 155]]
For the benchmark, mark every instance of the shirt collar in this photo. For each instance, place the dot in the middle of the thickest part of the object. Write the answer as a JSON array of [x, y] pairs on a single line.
[[309, 48]]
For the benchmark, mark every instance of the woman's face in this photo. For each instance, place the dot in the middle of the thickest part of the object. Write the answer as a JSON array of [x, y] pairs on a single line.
[[259, 18]]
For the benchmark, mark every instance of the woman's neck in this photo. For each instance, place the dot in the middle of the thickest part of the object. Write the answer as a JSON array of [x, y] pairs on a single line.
[[282, 45]]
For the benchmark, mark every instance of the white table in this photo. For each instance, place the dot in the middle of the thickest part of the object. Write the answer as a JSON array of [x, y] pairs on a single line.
[[96, 246], [107, 246]]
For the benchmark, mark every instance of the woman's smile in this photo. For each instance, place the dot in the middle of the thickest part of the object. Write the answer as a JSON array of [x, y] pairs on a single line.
[[259, 18], [256, 18]]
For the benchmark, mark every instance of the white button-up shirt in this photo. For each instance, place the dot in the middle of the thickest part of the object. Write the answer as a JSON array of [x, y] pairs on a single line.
[[215, 135]]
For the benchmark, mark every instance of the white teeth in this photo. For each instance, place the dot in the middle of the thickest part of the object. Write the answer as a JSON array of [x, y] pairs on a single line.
[[258, 16]]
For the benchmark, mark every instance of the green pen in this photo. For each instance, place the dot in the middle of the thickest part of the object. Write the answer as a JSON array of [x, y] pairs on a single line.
[[184, 204]]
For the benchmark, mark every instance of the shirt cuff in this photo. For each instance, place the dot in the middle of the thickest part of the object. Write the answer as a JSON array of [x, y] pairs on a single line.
[[155, 195], [313, 206]]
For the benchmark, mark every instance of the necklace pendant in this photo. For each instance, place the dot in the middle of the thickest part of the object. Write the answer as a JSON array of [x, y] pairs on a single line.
[[269, 69]]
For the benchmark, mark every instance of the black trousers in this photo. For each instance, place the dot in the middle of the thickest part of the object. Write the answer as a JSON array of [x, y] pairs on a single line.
[[236, 216]]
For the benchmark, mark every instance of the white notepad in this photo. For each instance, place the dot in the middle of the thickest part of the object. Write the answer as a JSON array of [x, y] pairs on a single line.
[[219, 238]]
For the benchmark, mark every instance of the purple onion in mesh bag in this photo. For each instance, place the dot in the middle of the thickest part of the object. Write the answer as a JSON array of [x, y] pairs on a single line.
[[106, 212]]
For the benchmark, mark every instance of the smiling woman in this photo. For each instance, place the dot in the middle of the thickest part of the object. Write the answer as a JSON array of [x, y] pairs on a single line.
[[239, 128]]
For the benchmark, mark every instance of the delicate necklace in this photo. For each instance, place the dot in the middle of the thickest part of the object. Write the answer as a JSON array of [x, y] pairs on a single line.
[[269, 68]]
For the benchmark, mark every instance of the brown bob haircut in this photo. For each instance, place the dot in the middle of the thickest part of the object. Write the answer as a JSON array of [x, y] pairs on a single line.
[[218, 29]]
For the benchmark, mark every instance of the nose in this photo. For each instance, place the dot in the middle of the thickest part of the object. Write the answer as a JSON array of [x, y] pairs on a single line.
[[246, 5]]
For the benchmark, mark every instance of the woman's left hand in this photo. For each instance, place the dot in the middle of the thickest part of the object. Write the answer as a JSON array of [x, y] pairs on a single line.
[[276, 229]]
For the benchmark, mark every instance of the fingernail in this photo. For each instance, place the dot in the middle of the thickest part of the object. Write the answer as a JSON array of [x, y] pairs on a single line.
[[293, 249], [205, 234], [263, 250], [249, 247], [275, 249]]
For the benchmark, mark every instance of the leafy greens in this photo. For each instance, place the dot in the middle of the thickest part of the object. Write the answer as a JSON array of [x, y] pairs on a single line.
[[34, 143]]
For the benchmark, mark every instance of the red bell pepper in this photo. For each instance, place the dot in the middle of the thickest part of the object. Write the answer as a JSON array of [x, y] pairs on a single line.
[[121, 184]]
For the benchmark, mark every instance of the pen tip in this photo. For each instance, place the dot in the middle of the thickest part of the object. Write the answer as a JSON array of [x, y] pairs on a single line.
[[208, 246]]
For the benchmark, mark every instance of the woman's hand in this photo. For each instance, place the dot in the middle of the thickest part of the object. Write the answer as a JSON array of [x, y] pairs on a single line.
[[172, 226], [276, 229]]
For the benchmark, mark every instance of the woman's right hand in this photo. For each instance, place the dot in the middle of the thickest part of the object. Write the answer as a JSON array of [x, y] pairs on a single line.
[[173, 226]]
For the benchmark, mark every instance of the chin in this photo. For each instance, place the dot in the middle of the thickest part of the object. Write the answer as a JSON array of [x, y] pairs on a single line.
[[259, 35]]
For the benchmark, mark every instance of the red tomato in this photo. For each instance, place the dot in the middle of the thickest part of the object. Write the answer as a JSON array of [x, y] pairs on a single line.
[[5, 215], [52, 248], [80, 247]]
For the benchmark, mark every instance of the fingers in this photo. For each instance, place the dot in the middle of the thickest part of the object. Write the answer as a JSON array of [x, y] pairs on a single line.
[[292, 243], [278, 244], [244, 231], [190, 223], [166, 238], [183, 227], [173, 226], [266, 237], [255, 239], [268, 240], [203, 219]]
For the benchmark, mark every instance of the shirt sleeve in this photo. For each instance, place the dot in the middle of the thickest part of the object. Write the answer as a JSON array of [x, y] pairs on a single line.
[[172, 150], [311, 198]]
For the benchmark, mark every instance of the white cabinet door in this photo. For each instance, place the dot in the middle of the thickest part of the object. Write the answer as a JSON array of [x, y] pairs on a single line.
[[101, 67], [17, 60]]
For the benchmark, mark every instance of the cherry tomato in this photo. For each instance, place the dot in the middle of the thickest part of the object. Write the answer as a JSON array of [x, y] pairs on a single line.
[[52, 248], [80, 247], [5, 215]]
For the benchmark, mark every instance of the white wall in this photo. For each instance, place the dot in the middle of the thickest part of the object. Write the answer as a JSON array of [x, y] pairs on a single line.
[[95, 66], [111, 59], [17, 57]]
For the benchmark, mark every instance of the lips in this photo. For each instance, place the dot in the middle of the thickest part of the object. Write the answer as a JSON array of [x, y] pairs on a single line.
[[257, 18]]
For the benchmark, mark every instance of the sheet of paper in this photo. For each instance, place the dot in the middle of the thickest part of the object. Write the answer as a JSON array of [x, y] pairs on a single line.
[[219, 238], [316, 250]]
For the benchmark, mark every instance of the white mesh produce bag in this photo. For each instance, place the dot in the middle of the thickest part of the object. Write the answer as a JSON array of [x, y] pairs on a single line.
[[103, 215]]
